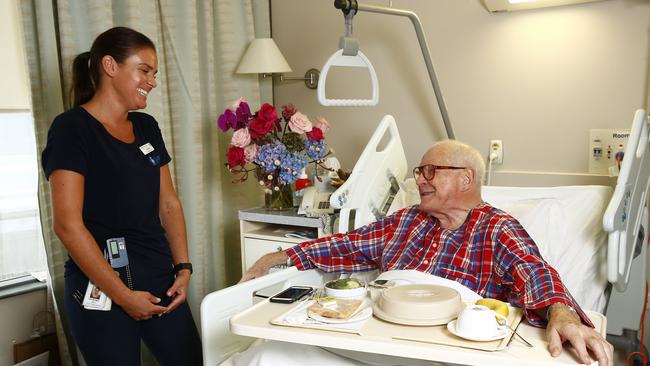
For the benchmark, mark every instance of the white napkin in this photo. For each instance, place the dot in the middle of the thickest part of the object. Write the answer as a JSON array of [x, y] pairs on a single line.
[[299, 316]]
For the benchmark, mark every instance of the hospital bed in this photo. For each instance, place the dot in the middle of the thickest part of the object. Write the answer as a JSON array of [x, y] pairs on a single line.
[[567, 223]]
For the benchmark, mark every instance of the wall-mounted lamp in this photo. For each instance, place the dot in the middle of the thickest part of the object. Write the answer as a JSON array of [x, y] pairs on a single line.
[[264, 57], [510, 5]]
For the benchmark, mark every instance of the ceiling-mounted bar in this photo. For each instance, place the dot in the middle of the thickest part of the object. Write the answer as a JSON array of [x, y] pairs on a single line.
[[347, 5]]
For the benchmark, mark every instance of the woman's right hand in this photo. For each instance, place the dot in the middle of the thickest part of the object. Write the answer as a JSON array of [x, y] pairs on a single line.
[[141, 305]]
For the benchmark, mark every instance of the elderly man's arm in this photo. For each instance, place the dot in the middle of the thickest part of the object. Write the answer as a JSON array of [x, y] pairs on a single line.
[[354, 251], [564, 325], [538, 287], [262, 265]]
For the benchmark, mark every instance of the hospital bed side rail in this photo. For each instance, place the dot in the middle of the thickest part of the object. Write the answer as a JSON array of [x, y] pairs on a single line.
[[218, 307]]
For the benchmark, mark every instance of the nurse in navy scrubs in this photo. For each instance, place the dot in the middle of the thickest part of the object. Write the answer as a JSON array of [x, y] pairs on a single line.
[[116, 211]]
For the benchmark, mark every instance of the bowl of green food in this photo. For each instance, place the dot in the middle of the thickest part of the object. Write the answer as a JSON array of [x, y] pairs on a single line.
[[346, 288]]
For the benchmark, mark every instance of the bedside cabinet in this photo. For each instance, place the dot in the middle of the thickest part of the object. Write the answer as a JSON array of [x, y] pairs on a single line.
[[263, 231]]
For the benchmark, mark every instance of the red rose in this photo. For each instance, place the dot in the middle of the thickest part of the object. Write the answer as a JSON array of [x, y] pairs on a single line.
[[260, 127], [288, 111], [267, 113], [236, 157], [316, 134]]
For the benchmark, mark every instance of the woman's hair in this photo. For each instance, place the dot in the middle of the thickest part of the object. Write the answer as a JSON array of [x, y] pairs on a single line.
[[119, 43]]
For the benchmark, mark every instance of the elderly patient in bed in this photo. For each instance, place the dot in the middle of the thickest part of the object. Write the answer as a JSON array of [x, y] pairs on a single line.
[[454, 234]]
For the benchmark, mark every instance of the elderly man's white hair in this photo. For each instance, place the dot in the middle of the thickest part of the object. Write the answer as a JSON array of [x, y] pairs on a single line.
[[461, 154]]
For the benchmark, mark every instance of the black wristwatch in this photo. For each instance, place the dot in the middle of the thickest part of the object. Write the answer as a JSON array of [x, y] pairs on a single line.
[[182, 266]]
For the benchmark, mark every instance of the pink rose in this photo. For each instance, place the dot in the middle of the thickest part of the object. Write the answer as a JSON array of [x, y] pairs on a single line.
[[250, 152], [235, 157], [241, 138], [299, 123], [322, 124]]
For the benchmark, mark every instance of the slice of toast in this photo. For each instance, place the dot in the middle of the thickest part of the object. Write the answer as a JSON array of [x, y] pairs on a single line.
[[338, 309]]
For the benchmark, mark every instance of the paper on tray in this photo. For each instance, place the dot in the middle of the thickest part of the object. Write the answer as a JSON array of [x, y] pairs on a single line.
[[298, 316]]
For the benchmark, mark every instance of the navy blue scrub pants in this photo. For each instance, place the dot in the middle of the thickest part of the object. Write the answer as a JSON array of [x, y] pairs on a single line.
[[113, 338]]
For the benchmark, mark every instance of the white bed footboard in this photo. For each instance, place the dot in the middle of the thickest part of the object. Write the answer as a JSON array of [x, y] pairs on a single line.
[[218, 307]]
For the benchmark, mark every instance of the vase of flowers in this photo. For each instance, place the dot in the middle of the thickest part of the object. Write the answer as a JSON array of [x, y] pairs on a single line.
[[275, 148], [281, 199]]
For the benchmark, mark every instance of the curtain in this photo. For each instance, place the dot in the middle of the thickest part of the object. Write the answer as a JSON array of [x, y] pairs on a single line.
[[199, 44]]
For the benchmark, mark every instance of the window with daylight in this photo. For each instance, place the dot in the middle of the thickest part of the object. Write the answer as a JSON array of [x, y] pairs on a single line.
[[21, 244], [21, 248]]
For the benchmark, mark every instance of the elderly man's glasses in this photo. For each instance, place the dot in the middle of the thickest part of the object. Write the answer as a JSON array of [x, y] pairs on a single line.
[[428, 171]]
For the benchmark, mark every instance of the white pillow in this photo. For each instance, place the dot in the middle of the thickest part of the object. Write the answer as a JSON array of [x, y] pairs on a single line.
[[566, 225]]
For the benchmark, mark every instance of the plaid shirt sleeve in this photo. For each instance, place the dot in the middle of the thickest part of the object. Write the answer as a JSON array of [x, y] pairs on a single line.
[[532, 283], [355, 251]]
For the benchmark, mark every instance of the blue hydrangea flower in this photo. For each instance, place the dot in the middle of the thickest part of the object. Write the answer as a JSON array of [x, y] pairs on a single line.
[[290, 167], [270, 156], [316, 150]]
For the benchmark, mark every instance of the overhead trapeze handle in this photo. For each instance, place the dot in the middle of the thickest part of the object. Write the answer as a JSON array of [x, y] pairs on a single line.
[[338, 59]]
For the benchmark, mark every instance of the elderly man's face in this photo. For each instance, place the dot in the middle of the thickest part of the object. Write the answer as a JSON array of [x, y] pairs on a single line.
[[442, 192]]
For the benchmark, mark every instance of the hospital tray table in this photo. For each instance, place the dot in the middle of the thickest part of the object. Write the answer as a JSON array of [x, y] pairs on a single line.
[[255, 322]]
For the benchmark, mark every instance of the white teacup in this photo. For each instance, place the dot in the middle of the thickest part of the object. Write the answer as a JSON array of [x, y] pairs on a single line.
[[477, 321]]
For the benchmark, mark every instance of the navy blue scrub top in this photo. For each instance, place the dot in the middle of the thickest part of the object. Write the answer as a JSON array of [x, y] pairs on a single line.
[[121, 185]]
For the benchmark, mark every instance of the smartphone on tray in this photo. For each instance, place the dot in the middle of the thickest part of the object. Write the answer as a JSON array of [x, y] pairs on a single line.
[[292, 294]]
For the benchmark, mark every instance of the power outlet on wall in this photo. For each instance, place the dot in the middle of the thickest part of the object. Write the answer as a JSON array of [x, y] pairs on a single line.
[[496, 150]]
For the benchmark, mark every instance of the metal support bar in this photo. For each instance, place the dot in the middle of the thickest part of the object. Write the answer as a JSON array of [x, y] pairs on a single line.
[[628, 342], [311, 78], [346, 6]]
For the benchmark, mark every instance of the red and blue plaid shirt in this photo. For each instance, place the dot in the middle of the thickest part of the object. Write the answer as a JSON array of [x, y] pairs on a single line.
[[490, 253]]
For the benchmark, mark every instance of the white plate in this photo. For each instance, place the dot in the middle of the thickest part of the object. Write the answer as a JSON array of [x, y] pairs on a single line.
[[360, 315], [502, 333]]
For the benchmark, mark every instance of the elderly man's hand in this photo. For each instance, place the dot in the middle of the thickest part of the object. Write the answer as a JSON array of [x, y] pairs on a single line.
[[564, 325], [262, 266]]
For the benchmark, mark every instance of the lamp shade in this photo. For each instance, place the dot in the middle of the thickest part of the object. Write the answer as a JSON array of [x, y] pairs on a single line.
[[263, 57]]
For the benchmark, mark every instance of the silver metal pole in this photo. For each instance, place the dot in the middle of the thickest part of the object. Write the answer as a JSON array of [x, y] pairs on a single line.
[[425, 53]]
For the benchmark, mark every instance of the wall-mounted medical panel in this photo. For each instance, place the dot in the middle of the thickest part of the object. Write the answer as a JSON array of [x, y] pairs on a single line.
[[606, 147]]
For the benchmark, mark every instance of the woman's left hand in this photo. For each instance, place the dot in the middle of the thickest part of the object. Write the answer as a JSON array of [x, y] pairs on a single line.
[[178, 291]]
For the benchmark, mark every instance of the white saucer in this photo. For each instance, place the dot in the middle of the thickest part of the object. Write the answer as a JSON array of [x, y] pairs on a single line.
[[451, 326], [362, 314]]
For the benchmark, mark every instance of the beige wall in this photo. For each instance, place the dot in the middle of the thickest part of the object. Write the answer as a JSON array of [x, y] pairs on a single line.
[[538, 79], [13, 93]]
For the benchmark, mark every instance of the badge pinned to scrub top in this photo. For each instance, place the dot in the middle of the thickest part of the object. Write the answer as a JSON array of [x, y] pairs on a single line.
[[147, 149]]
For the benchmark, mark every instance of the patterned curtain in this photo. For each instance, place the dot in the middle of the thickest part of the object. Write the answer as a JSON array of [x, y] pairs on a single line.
[[199, 44]]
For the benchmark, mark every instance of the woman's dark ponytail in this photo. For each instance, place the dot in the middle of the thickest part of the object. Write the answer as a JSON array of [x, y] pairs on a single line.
[[117, 42], [83, 86]]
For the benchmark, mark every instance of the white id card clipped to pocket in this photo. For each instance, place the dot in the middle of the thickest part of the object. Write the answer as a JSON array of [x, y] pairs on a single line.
[[95, 299]]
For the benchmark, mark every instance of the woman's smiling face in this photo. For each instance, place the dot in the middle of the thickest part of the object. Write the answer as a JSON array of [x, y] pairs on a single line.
[[136, 77]]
